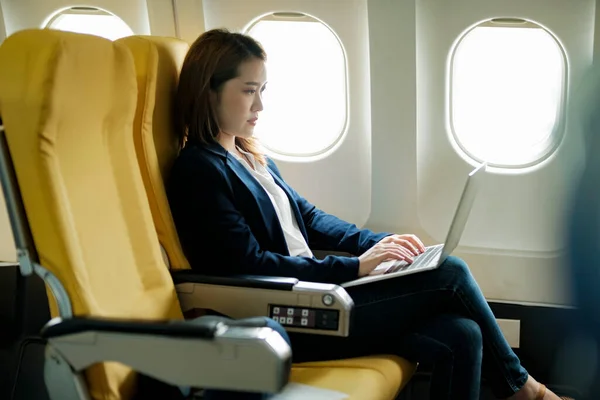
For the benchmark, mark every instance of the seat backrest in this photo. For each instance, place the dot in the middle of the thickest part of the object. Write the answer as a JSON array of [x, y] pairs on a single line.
[[68, 102], [158, 62]]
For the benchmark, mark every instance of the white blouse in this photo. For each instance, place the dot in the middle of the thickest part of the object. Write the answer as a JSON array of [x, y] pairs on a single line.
[[296, 244]]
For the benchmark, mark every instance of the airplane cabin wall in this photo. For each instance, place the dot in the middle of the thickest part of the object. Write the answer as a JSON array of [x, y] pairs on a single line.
[[178, 18], [189, 19], [512, 239], [384, 175], [26, 14], [161, 18], [2, 27]]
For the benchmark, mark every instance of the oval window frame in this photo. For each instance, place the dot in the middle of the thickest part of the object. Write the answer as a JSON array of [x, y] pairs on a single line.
[[286, 15], [80, 10], [557, 134]]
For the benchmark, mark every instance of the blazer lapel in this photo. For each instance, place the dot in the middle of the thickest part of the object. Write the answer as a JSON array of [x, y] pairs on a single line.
[[293, 204], [263, 201]]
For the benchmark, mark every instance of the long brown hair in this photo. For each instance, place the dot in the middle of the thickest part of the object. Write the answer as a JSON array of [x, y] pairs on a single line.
[[213, 59]]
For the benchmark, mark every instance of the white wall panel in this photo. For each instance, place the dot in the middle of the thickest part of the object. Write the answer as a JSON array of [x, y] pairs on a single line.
[[26, 14], [393, 114], [416, 184], [189, 19], [2, 25], [161, 18], [517, 211]]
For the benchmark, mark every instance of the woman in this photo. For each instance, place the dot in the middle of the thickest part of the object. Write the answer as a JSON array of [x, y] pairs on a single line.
[[235, 214]]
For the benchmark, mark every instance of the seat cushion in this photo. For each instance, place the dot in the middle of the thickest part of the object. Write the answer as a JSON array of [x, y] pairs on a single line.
[[363, 378]]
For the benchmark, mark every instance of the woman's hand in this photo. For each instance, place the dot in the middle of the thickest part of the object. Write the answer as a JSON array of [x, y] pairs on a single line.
[[398, 247], [409, 241]]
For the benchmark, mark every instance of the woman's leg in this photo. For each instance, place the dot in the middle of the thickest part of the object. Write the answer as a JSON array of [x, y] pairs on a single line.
[[454, 346], [451, 343], [397, 307], [395, 304]]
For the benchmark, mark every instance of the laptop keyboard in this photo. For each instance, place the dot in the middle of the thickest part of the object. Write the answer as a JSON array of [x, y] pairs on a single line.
[[430, 256]]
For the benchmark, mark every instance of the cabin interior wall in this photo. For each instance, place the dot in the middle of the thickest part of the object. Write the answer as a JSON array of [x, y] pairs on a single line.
[[393, 51], [27, 14], [2, 25], [161, 18], [189, 18], [392, 41]]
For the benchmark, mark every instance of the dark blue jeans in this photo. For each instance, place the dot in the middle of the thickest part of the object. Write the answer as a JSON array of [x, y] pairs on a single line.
[[438, 317]]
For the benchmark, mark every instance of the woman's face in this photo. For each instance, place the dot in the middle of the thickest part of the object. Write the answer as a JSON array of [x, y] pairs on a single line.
[[240, 99]]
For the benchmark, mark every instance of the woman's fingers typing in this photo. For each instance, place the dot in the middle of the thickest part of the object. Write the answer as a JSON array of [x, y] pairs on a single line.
[[409, 241], [415, 241], [380, 252], [396, 251]]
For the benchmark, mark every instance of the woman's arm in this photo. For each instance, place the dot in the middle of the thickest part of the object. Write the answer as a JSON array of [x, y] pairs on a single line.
[[217, 240], [328, 232]]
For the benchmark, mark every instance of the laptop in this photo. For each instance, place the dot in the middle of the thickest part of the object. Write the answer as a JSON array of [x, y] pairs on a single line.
[[433, 256]]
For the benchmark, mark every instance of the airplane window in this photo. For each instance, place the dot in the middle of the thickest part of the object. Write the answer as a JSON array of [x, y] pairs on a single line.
[[305, 104], [92, 21], [507, 94]]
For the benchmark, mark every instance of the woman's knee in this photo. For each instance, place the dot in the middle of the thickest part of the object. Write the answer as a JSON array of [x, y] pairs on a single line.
[[453, 337], [470, 332], [464, 335], [455, 263], [459, 269]]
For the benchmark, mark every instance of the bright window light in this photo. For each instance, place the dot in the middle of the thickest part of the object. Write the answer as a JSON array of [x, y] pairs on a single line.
[[305, 100], [100, 24], [507, 88]]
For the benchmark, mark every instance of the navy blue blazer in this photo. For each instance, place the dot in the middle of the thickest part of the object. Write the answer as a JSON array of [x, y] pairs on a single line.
[[227, 224]]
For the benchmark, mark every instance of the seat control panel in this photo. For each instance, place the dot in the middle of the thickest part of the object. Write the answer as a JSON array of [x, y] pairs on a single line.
[[305, 317]]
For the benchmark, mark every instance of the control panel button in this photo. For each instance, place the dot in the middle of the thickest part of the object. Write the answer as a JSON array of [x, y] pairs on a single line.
[[306, 317], [328, 300]]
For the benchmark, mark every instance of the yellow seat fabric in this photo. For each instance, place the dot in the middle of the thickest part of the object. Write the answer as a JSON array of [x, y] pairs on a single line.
[[68, 103], [362, 378]]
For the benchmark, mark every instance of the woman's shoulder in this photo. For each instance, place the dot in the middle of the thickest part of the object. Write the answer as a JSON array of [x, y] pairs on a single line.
[[199, 155], [197, 160]]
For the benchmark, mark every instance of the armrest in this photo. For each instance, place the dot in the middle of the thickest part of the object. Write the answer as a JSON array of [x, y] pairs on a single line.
[[205, 352], [307, 307], [176, 329], [249, 281]]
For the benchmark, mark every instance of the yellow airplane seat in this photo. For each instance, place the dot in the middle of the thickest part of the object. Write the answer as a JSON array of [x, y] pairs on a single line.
[[81, 221], [158, 61]]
